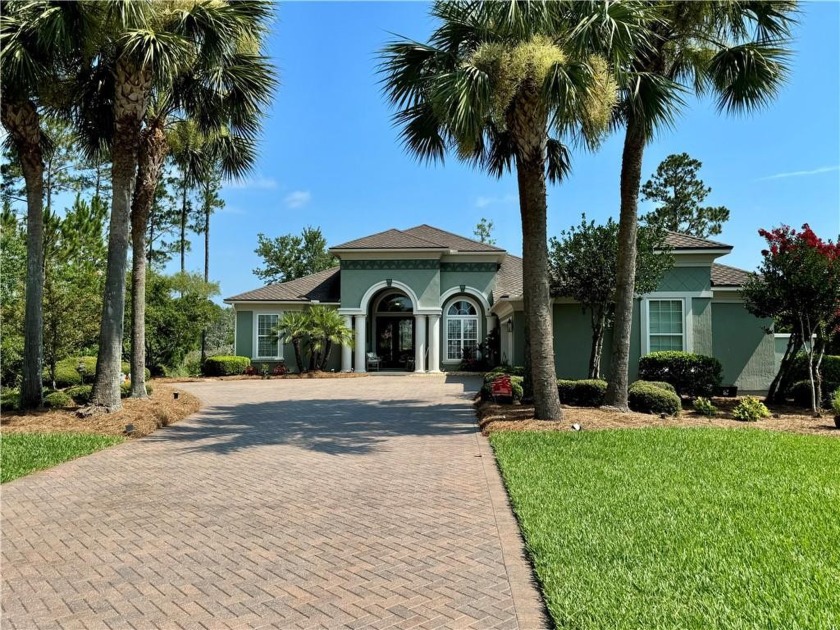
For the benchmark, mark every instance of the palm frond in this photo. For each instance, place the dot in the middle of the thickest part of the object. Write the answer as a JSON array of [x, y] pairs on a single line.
[[422, 132], [558, 162], [748, 76]]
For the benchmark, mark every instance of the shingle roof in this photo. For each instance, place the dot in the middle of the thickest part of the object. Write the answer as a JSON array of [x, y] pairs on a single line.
[[509, 278], [450, 240], [324, 286], [677, 240], [390, 239], [418, 237], [726, 276]]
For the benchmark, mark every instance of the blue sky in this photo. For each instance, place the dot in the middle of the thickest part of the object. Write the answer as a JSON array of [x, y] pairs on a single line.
[[331, 158]]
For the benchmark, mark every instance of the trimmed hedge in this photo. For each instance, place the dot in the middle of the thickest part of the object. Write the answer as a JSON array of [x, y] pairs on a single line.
[[690, 374], [582, 393], [57, 400], [646, 397], [67, 373], [223, 365], [800, 392], [661, 385]]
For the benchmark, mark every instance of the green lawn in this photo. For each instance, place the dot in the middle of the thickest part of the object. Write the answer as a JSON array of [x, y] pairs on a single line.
[[680, 528], [23, 453]]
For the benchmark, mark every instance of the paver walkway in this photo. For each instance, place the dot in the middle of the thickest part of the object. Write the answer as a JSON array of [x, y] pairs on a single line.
[[368, 502]]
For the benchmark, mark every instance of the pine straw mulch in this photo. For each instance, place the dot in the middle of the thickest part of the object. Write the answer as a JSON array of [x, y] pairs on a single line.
[[493, 417], [257, 377], [159, 410]]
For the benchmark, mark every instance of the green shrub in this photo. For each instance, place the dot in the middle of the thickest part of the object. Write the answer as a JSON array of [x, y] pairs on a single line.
[[750, 409], [582, 393], [9, 399], [705, 407], [835, 402], [67, 371], [800, 392], [225, 365], [647, 398], [829, 368], [80, 393], [515, 385], [690, 374], [125, 389], [57, 400], [662, 385], [513, 370]]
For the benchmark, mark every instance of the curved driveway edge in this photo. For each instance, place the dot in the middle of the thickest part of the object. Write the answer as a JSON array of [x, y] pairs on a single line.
[[347, 503]]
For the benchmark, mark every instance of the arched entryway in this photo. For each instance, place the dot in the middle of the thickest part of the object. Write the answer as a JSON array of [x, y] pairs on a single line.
[[393, 329]]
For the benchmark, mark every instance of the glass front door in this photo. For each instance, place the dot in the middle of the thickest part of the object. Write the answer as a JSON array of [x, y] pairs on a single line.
[[395, 341]]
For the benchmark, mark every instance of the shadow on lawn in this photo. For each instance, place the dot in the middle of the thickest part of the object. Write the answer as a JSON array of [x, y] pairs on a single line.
[[336, 426]]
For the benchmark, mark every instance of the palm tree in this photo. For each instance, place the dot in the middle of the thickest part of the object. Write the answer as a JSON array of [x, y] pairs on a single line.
[[329, 326], [500, 84], [736, 51], [144, 46], [39, 42], [295, 327]]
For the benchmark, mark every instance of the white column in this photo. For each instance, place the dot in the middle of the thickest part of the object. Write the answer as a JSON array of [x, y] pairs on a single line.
[[419, 343], [361, 365], [434, 343], [347, 351], [491, 324]]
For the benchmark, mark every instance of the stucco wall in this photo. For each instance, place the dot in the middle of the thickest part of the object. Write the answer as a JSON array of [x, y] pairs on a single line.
[[482, 281], [701, 315], [740, 343], [424, 282], [686, 279]]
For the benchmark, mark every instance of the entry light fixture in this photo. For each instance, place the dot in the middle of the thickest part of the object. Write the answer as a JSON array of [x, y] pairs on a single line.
[[509, 325]]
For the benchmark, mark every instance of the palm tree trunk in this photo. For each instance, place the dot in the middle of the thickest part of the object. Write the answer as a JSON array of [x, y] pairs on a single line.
[[631, 176], [150, 164], [206, 265], [298, 355], [23, 124], [326, 356], [132, 91], [532, 204], [183, 223]]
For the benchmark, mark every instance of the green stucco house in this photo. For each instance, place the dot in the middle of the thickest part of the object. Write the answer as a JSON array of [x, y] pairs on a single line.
[[417, 298]]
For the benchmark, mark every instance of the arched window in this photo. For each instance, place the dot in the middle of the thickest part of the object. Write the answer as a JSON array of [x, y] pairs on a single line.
[[461, 328], [395, 303]]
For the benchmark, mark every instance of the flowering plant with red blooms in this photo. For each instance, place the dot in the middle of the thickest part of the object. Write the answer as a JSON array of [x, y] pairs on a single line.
[[798, 286]]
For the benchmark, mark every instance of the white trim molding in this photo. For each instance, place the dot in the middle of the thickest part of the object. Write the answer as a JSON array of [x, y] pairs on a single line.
[[471, 291], [362, 309]]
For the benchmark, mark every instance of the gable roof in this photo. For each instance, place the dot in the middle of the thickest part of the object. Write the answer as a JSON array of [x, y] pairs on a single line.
[[678, 240], [324, 286], [389, 239], [419, 237], [726, 276]]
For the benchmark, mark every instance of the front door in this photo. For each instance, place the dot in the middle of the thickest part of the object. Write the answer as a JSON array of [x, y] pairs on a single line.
[[395, 341]]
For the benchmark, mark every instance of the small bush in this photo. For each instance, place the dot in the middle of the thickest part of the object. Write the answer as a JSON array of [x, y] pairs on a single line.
[[662, 385], [516, 386], [835, 402], [582, 393], [57, 400], [705, 407], [513, 370], [647, 398], [830, 368], [750, 409], [280, 369], [9, 399], [80, 393], [67, 372], [125, 389], [690, 374], [223, 365], [800, 392]]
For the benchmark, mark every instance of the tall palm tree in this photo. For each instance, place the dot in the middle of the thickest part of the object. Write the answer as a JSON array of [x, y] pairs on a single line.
[[143, 46], [500, 84], [737, 51], [39, 43]]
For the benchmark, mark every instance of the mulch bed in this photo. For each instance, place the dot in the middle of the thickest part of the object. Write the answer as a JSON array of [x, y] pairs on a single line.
[[493, 417], [159, 410], [258, 377]]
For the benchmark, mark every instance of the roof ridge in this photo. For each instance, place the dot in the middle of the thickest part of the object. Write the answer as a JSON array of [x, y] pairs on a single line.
[[466, 238], [699, 238], [389, 231]]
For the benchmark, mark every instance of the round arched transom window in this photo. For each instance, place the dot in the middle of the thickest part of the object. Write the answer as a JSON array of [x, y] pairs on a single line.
[[395, 303], [461, 328]]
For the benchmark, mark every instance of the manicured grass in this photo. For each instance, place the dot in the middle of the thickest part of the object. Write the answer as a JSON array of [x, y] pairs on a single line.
[[23, 453], [680, 528]]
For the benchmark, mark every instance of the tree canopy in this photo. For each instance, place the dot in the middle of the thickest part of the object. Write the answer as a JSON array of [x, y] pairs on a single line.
[[678, 191], [290, 256]]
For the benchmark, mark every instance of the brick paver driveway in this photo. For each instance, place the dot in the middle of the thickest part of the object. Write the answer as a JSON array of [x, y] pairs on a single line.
[[366, 502]]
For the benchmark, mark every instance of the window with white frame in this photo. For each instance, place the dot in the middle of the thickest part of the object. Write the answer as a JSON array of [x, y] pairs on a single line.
[[268, 343], [666, 325], [461, 328]]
